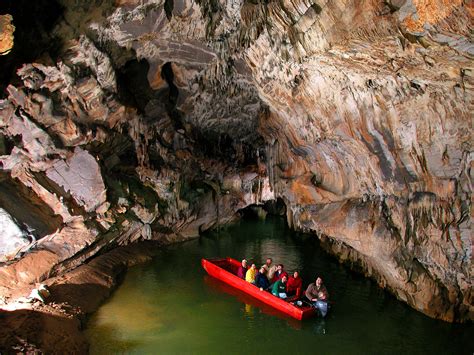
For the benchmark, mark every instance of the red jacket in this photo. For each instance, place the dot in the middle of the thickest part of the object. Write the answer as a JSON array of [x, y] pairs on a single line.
[[294, 285], [277, 276]]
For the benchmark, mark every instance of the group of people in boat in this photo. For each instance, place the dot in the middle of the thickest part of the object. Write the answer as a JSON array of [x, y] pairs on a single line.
[[275, 279]]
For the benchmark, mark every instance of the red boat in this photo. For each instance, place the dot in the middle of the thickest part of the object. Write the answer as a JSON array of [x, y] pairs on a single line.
[[226, 271]]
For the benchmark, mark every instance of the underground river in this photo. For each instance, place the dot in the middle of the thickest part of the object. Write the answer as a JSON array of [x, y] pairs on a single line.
[[170, 306]]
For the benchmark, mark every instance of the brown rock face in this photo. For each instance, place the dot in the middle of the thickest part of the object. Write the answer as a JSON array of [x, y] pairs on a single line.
[[159, 121], [6, 34]]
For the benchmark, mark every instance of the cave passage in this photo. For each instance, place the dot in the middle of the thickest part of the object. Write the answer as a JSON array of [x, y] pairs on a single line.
[[171, 304]]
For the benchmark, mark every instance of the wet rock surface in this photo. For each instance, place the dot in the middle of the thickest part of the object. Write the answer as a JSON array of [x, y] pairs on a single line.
[[55, 326], [157, 122]]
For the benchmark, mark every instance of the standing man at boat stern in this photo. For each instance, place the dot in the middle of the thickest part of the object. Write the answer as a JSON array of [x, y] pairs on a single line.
[[318, 295]]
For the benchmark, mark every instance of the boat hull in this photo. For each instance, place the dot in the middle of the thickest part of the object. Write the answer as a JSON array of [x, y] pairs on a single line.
[[225, 270]]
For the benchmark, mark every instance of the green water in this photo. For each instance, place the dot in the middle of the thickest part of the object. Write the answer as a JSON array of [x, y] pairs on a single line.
[[170, 306]]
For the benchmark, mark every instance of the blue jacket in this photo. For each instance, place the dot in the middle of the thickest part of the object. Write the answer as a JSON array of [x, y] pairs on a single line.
[[262, 281]]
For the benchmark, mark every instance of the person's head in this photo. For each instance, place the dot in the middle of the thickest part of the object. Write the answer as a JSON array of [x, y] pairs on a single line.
[[280, 267], [321, 295], [253, 266], [269, 261], [296, 274], [283, 279], [262, 270], [319, 281], [244, 263]]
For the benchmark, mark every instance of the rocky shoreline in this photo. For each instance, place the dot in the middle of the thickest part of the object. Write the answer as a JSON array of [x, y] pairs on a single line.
[[55, 327]]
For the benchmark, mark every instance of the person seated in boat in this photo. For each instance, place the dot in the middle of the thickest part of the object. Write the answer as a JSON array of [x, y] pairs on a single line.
[[294, 285], [270, 269], [279, 287], [261, 280], [318, 295], [279, 273], [242, 270], [251, 273]]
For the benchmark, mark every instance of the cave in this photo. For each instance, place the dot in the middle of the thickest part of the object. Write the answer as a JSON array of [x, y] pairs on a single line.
[[130, 127], [275, 207]]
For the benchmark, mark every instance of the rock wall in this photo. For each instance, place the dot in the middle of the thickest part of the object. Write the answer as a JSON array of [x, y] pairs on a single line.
[[6, 34], [161, 119]]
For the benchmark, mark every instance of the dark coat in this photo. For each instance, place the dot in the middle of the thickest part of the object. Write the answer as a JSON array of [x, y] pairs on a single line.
[[261, 281]]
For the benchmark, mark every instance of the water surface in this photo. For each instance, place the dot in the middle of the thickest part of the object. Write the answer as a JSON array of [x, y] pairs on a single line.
[[170, 306]]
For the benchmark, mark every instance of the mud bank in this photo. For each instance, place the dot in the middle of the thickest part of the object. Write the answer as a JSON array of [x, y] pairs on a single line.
[[55, 327]]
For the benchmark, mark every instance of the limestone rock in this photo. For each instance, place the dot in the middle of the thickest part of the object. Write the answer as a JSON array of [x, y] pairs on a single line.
[[80, 175], [12, 238], [6, 34]]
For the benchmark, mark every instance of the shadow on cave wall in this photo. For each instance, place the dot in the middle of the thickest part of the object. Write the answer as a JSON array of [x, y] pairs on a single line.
[[25, 206], [33, 21], [272, 208]]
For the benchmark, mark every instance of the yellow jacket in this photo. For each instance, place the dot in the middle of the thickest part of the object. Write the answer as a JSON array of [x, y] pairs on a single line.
[[250, 275]]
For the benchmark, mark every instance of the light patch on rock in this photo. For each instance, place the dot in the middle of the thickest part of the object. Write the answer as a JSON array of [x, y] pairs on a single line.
[[12, 238], [6, 34], [41, 293], [80, 175]]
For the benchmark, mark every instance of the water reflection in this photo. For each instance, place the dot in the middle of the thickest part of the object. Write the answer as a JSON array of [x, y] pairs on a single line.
[[248, 310], [251, 304], [319, 326]]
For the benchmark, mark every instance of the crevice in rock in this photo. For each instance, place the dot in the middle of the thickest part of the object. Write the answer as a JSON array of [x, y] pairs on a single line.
[[173, 94], [27, 208], [168, 75], [133, 86], [317, 8], [168, 6], [7, 144]]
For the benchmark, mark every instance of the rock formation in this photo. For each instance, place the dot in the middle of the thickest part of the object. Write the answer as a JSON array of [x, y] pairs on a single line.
[[6, 34], [156, 120]]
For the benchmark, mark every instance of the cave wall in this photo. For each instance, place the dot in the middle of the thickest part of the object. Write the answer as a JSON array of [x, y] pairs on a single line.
[[161, 119]]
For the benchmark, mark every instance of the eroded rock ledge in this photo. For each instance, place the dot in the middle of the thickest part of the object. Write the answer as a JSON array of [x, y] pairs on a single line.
[[158, 120], [55, 327]]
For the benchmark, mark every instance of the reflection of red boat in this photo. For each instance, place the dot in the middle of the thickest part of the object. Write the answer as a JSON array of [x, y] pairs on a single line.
[[226, 270], [251, 303]]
